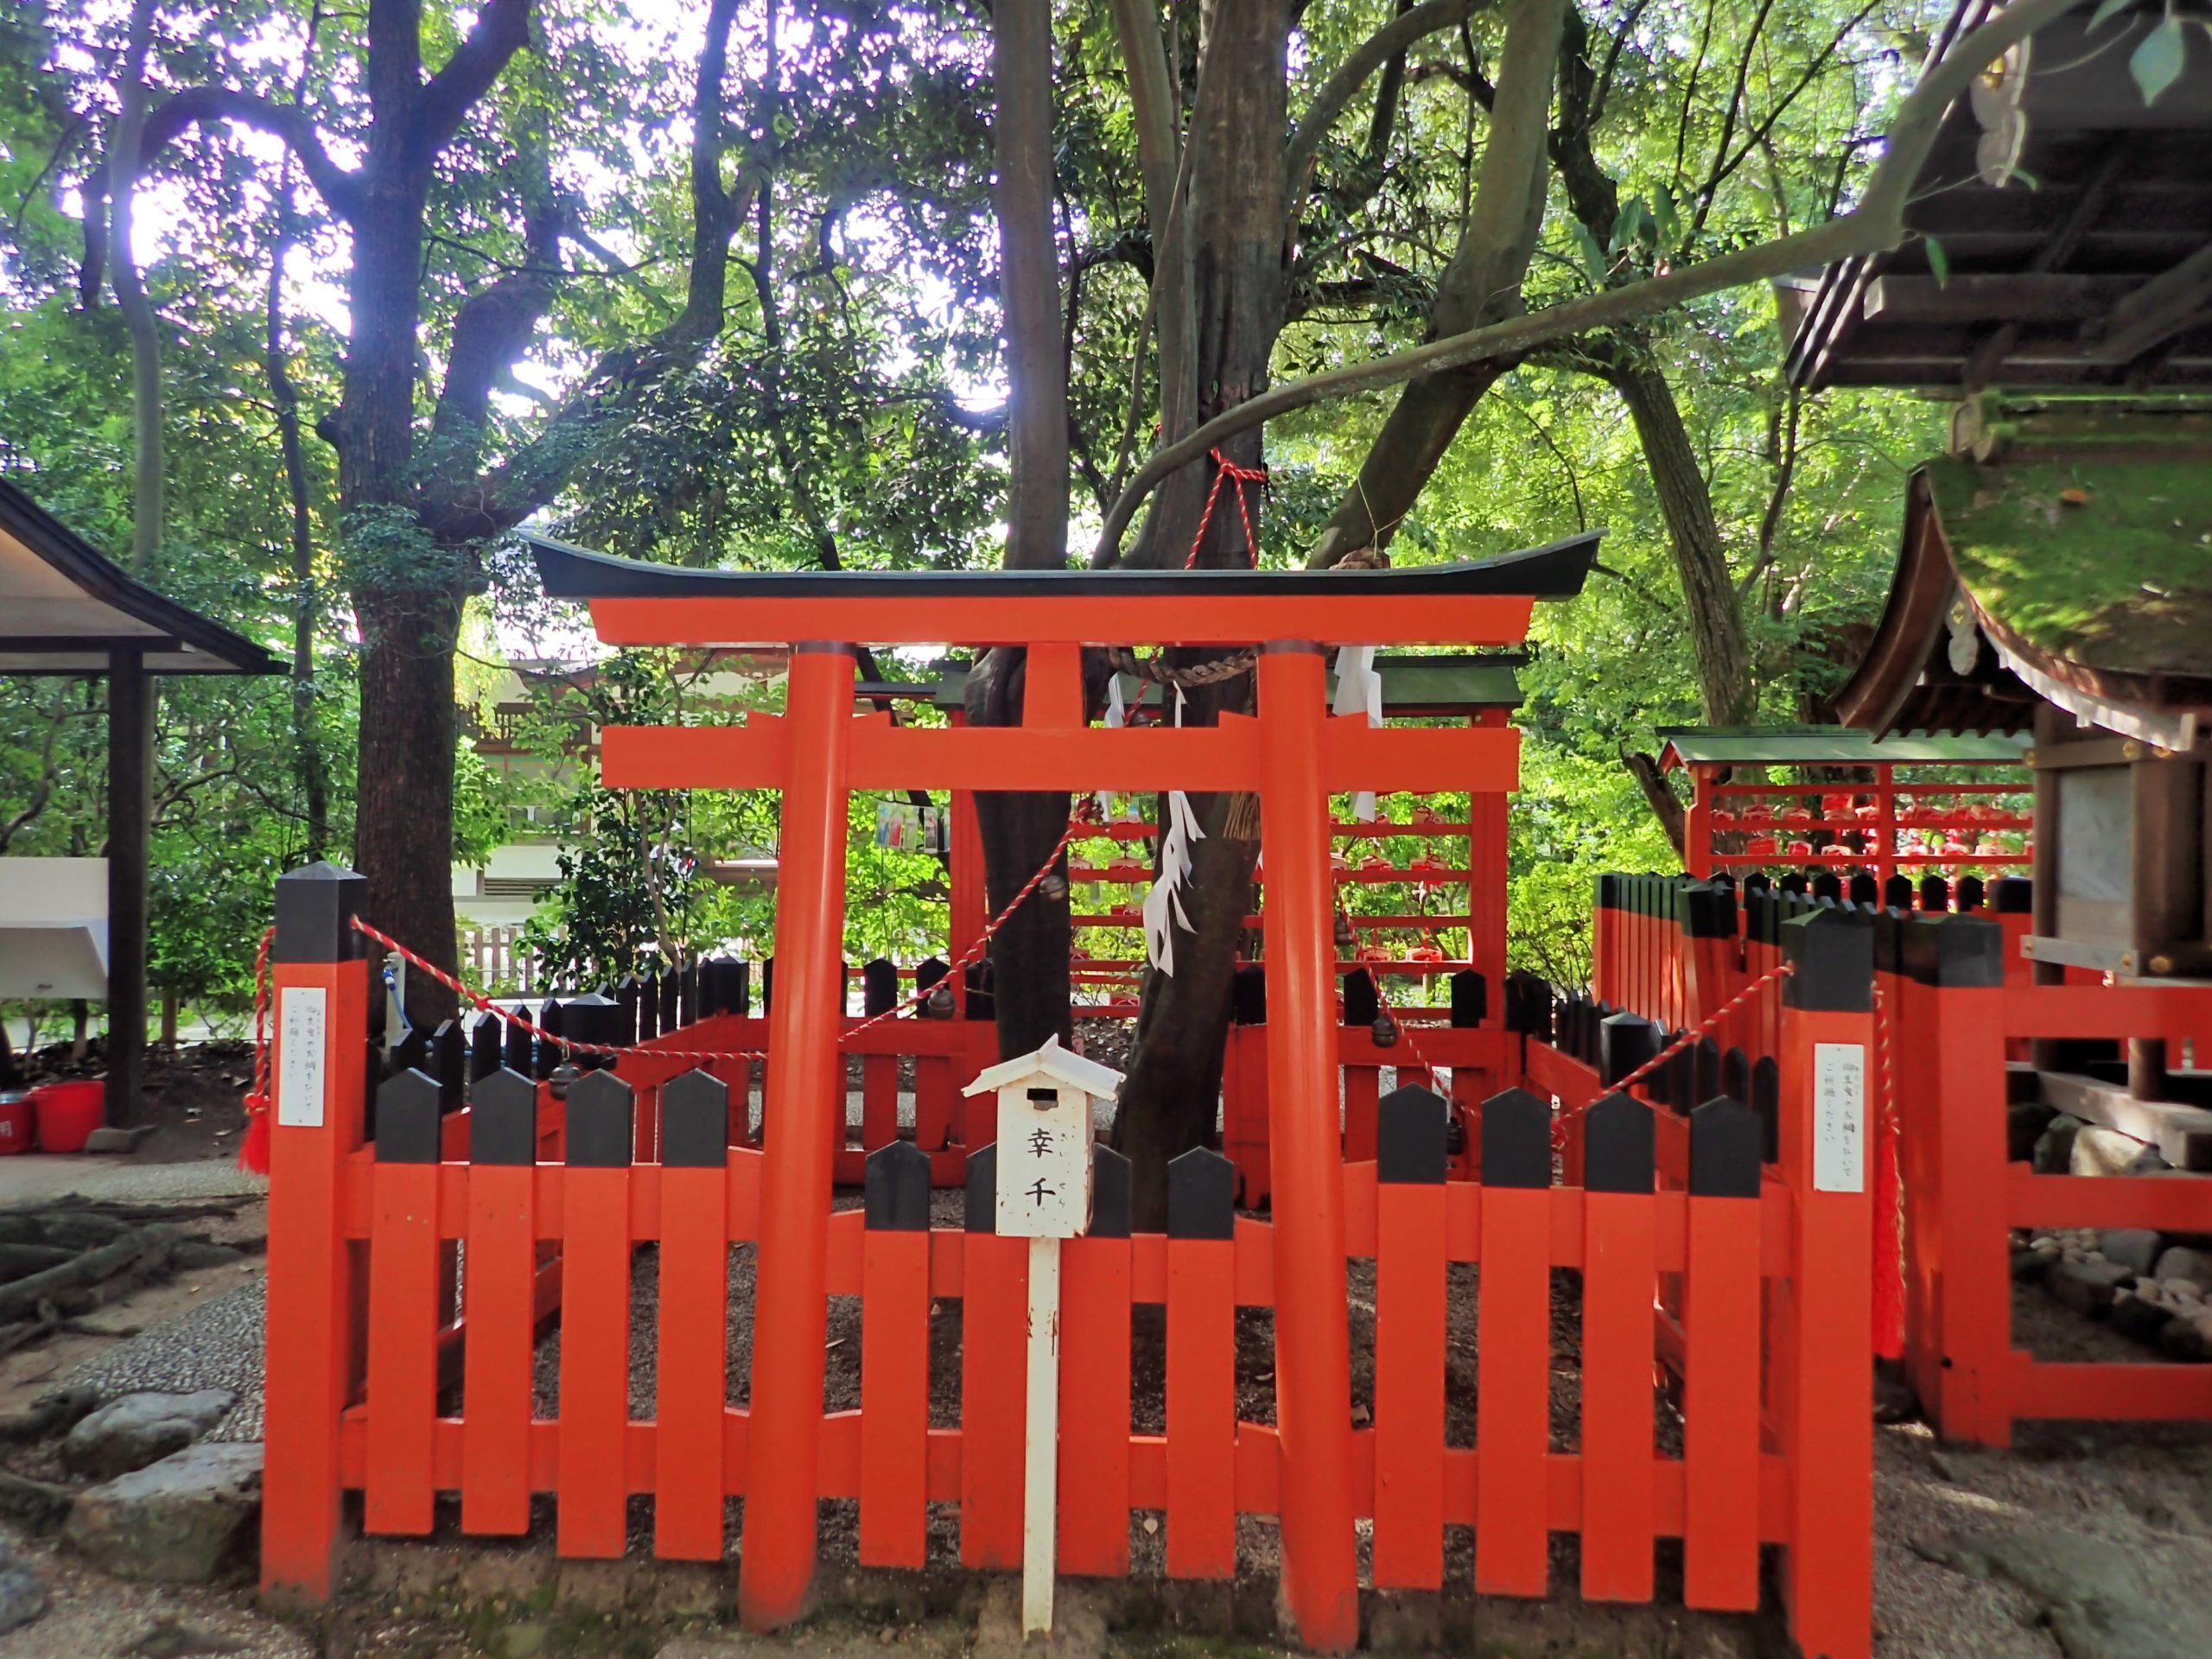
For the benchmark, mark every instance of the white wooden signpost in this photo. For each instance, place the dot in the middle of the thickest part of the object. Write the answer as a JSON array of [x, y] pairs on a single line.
[[1046, 1131]]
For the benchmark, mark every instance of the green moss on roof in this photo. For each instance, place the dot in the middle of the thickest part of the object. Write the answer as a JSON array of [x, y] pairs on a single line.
[[2121, 579]]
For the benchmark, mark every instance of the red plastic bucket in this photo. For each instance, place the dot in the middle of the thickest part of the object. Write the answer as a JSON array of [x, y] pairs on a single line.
[[68, 1113], [18, 1117]]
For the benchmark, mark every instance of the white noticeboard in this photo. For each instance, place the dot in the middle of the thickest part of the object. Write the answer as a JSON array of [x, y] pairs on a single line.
[[302, 1025], [1838, 1117]]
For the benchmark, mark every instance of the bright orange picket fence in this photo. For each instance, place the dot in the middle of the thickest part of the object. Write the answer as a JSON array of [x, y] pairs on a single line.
[[422, 1262]]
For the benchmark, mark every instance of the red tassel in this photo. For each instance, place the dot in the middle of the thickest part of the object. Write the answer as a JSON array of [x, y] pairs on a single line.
[[253, 1150]]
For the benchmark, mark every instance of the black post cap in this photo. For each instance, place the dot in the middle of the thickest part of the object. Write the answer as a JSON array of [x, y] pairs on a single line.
[[1829, 886], [503, 1120], [517, 1046], [879, 986], [1201, 1195], [897, 1189], [1831, 953], [1625, 1042], [315, 907], [1725, 1150], [1111, 1193], [2012, 895], [927, 974], [1863, 889], [1516, 1139], [1970, 892], [1470, 999], [408, 1121], [695, 1122], [1955, 951], [1619, 1154], [1766, 1102], [483, 1047], [982, 1193], [1361, 1002], [1709, 911], [1934, 893], [1736, 1074], [1897, 893], [600, 1134], [1411, 1132]]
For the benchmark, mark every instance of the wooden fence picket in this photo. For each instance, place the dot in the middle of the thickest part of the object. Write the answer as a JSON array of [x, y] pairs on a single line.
[[1201, 1366], [1411, 1164], [399, 1496], [691, 1372], [595, 1320], [500, 1299], [1095, 1380], [1619, 1218], [1514, 1354], [1720, 1383], [895, 1358]]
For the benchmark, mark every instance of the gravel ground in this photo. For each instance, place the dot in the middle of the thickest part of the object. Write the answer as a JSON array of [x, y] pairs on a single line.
[[216, 1344], [91, 1615]]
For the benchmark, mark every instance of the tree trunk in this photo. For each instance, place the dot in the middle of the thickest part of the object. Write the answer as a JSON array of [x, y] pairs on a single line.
[[1717, 637], [1240, 270], [1029, 955], [409, 730]]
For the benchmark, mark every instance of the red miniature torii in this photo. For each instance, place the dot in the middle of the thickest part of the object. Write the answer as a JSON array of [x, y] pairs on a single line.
[[1292, 754]]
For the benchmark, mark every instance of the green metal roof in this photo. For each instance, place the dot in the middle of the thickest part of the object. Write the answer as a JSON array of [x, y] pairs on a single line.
[[1833, 746]]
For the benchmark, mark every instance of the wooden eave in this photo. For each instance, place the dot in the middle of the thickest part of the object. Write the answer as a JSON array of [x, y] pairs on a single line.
[[2095, 276]]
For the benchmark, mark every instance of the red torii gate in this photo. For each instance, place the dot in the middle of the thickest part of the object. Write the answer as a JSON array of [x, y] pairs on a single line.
[[1292, 754]]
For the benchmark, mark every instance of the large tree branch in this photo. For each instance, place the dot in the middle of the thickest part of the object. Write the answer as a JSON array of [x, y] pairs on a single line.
[[339, 189], [1483, 282], [502, 29], [527, 480], [1330, 99], [1158, 122], [1877, 224]]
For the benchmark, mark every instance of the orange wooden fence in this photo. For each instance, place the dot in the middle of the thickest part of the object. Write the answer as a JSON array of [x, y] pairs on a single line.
[[1944, 984]]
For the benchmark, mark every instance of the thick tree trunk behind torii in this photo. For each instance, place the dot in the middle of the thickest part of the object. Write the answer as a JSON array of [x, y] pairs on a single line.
[[1018, 831], [1240, 251]]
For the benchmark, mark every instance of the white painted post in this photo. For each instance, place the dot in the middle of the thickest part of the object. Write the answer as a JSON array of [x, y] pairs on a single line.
[[1046, 1123], [1040, 1451]]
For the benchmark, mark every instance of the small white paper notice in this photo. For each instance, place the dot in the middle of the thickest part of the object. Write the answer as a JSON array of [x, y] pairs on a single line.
[[302, 1019], [1838, 1117]]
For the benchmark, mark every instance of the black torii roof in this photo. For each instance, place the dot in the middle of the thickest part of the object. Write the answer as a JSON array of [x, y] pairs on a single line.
[[2090, 269]]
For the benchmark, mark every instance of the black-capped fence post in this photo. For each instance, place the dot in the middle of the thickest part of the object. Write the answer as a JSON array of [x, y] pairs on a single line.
[[1820, 1337], [879, 986]]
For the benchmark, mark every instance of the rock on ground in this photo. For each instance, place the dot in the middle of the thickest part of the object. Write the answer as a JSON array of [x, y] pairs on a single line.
[[2089, 1590], [2086, 1287], [2053, 1153], [137, 1429], [2135, 1249], [22, 1593], [174, 1522], [2180, 1262]]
